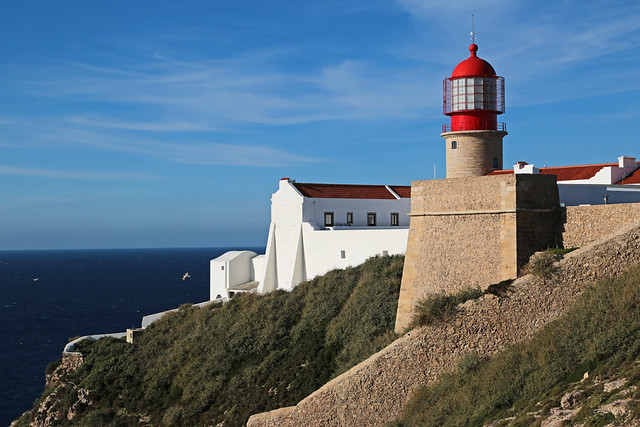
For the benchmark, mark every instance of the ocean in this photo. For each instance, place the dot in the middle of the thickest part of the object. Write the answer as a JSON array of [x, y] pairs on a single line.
[[46, 297]]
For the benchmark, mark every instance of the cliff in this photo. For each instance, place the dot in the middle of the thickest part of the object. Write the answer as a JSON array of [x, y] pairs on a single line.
[[221, 363]]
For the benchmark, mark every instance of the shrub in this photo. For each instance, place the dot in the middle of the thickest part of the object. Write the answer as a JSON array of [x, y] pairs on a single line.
[[600, 331], [541, 264], [560, 252], [51, 367], [468, 362], [220, 364], [439, 307]]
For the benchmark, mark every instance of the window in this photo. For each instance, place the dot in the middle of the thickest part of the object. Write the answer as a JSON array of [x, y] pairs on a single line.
[[222, 267], [477, 93], [343, 254], [495, 163], [454, 145], [371, 219], [328, 219], [395, 218], [349, 218]]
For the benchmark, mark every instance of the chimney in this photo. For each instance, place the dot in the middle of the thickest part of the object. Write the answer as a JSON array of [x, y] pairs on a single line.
[[524, 167], [626, 162]]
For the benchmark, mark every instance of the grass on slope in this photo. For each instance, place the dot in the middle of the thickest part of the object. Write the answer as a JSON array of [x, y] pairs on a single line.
[[255, 353], [600, 332]]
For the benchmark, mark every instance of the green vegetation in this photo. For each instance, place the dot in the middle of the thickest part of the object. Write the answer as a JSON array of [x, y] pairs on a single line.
[[255, 353], [440, 307], [560, 252], [600, 334], [542, 265]]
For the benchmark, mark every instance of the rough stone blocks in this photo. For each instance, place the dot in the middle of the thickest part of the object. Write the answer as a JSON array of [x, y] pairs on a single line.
[[468, 232]]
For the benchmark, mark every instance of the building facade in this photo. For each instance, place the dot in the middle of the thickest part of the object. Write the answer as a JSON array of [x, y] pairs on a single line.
[[316, 228]]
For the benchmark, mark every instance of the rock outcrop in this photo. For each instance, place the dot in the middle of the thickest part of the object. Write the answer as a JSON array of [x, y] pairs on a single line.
[[70, 362]]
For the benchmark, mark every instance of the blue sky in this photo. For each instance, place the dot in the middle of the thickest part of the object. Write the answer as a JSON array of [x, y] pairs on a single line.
[[168, 124]]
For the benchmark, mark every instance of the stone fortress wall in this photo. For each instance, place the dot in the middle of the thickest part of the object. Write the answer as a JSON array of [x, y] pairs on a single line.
[[376, 391], [481, 233], [586, 224]]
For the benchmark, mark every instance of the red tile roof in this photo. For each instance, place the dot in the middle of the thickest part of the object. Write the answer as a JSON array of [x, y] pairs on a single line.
[[634, 178], [349, 191], [403, 191], [501, 172], [565, 173]]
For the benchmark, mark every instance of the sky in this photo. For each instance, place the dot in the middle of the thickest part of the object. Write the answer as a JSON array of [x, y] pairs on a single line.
[[169, 124]]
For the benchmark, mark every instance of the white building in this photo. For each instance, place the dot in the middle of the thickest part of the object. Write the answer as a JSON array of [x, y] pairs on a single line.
[[591, 184], [316, 228]]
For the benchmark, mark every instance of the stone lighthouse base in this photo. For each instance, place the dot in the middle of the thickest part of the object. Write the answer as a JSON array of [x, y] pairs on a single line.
[[473, 152], [474, 232]]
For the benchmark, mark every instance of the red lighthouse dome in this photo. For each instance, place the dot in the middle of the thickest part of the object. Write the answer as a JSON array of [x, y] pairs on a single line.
[[473, 66], [473, 95]]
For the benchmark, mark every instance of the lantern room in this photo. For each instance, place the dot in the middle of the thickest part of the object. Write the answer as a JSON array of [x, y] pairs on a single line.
[[473, 96]]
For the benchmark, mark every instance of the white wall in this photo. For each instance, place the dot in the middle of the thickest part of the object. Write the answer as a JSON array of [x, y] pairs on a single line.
[[299, 247], [314, 209], [229, 269], [358, 245], [593, 194]]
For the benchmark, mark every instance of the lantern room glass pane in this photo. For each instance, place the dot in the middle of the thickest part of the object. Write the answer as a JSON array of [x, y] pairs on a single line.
[[477, 93]]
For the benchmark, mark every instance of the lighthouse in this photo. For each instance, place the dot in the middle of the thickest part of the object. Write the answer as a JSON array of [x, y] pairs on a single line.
[[473, 97]]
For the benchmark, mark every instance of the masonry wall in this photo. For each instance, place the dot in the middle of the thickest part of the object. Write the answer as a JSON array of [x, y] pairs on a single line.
[[474, 152], [481, 233], [586, 224], [376, 391], [539, 218]]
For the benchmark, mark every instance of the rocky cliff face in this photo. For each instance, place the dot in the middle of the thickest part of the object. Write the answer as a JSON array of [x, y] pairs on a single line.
[[375, 391], [69, 363], [50, 411], [610, 398]]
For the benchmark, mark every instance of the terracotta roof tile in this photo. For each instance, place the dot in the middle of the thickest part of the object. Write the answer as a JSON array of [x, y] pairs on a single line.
[[570, 173], [634, 178], [349, 191], [403, 191], [501, 172], [565, 173]]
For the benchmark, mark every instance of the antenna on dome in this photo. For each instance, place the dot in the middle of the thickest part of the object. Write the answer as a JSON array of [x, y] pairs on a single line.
[[473, 31]]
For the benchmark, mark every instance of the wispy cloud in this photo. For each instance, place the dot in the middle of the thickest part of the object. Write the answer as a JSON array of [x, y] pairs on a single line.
[[249, 88], [85, 175], [141, 126], [202, 152], [559, 52], [146, 89]]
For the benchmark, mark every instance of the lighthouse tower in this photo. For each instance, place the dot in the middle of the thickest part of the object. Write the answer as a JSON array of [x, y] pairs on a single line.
[[473, 97]]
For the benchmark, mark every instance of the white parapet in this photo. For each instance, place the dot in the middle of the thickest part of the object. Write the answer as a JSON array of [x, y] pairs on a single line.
[[230, 269]]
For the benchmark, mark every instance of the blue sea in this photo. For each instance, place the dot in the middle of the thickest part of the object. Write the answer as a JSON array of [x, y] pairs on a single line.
[[46, 297]]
